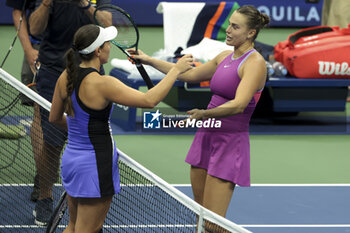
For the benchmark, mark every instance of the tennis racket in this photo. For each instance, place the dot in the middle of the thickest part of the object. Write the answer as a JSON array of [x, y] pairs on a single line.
[[58, 214], [128, 34], [17, 32]]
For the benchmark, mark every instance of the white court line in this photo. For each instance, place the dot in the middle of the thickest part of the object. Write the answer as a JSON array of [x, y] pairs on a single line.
[[295, 225], [60, 185], [110, 226], [151, 226], [189, 185], [243, 225], [281, 185], [190, 225], [22, 185], [300, 185]]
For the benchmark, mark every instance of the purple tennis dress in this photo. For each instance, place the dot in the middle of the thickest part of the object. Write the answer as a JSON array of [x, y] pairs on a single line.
[[89, 165], [225, 152]]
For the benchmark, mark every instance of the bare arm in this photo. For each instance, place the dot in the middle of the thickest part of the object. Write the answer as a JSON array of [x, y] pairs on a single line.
[[201, 73], [117, 92], [39, 18], [30, 53], [57, 115], [253, 76]]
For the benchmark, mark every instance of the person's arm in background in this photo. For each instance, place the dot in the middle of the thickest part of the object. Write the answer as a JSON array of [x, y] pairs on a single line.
[[30, 53], [104, 17], [39, 18]]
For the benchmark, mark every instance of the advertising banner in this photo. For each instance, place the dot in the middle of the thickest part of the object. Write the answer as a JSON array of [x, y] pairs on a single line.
[[287, 13]]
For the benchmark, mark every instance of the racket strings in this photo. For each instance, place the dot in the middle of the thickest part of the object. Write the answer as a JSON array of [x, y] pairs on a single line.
[[127, 33]]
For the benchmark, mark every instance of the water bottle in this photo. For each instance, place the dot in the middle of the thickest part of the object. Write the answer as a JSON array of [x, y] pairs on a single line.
[[280, 69], [269, 69]]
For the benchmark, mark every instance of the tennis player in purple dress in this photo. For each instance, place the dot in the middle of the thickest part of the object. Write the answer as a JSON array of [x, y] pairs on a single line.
[[224, 152], [220, 158], [89, 166]]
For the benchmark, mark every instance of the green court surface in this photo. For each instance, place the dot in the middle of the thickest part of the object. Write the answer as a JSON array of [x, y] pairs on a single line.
[[275, 159]]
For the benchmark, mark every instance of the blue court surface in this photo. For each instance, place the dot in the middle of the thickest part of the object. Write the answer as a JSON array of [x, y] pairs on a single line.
[[260, 209], [282, 209]]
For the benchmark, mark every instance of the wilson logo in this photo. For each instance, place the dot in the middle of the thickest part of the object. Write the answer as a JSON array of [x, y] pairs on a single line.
[[330, 68]]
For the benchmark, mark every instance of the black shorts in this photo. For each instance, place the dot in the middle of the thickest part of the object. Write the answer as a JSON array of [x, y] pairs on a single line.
[[46, 82]]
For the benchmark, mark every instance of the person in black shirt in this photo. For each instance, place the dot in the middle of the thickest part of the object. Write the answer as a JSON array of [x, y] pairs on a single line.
[[30, 45], [58, 21]]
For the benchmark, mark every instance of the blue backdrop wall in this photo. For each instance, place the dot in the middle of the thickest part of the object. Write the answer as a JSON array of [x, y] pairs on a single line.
[[286, 13]]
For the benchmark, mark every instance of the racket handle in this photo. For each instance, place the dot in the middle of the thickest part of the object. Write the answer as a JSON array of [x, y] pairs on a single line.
[[144, 75]]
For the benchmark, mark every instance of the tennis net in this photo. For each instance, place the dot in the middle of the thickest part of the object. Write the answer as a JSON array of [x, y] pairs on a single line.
[[146, 203]]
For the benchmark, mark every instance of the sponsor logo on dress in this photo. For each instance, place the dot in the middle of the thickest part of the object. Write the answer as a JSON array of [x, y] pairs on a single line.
[[332, 68], [125, 108], [227, 65]]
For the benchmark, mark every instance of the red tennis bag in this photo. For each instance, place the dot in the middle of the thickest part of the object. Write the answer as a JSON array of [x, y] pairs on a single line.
[[316, 52]]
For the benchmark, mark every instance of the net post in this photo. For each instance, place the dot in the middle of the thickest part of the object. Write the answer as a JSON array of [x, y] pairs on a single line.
[[200, 221]]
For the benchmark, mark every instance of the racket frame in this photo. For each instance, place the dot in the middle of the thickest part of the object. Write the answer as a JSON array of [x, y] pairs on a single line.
[[123, 48], [58, 213]]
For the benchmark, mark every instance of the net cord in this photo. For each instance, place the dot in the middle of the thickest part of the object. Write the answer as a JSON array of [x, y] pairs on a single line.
[[178, 195], [24, 89], [181, 197]]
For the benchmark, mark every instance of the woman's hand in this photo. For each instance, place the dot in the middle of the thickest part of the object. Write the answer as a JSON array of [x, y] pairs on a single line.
[[198, 114], [31, 56], [141, 56], [184, 64]]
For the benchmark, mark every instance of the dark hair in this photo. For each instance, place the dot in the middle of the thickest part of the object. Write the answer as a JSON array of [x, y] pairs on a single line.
[[255, 19], [82, 39]]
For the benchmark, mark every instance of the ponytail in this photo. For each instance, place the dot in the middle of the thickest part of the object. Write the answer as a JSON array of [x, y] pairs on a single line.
[[84, 37], [72, 75]]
